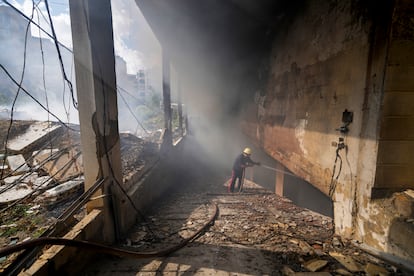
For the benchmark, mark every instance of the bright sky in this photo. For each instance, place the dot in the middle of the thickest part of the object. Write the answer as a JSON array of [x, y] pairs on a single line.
[[126, 17]]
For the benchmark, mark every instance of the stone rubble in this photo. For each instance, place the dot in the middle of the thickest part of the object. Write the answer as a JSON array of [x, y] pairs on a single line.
[[255, 233], [34, 135], [59, 163]]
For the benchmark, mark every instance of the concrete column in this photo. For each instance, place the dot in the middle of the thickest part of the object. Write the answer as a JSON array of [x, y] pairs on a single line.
[[93, 49], [180, 109], [280, 179], [166, 93]]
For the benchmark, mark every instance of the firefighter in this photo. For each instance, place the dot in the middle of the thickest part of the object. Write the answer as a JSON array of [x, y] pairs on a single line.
[[242, 161]]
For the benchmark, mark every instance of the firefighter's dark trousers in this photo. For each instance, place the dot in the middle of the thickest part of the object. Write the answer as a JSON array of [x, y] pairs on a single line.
[[236, 175]]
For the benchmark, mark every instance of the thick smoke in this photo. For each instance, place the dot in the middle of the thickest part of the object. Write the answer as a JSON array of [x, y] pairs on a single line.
[[135, 46], [215, 74], [216, 67]]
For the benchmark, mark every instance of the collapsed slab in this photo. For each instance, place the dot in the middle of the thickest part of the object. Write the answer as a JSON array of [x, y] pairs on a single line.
[[61, 192], [63, 167], [20, 186], [36, 134], [17, 164]]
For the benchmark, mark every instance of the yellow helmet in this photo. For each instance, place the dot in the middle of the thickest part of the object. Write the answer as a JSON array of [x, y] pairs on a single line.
[[247, 151]]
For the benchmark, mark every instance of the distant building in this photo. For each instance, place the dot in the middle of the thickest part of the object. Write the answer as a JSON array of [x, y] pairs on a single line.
[[11, 23], [142, 77]]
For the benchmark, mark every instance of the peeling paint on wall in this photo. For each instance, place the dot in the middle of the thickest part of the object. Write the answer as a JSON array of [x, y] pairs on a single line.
[[300, 135]]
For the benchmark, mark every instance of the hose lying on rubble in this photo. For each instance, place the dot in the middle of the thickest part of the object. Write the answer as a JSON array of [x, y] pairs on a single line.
[[105, 248]]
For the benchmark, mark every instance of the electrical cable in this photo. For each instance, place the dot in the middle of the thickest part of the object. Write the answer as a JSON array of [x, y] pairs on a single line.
[[104, 140], [43, 61], [106, 248], [128, 93], [62, 67], [18, 89], [40, 188], [132, 113], [43, 16], [30, 159], [53, 156], [43, 68], [332, 185], [34, 23], [33, 98], [56, 41], [110, 164], [353, 206], [51, 36], [63, 71]]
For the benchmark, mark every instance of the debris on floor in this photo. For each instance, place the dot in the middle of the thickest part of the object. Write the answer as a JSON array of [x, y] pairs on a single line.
[[36, 134], [41, 166], [255, 233], [17, 164]]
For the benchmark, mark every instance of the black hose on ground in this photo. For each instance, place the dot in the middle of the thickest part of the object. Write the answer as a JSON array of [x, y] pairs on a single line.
[[105, 248]]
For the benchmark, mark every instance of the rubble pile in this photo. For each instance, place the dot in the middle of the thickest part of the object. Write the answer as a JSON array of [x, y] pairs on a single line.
[[42, 155], [42, 173], [137, 155], [37, 156], [256, 233]]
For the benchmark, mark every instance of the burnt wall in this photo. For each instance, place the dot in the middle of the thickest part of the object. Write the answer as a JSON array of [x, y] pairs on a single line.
[[318, 69], [291, 71], [334, 57]]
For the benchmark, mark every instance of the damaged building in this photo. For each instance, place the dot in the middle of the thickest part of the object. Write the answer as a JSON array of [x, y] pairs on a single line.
[[323, 92]]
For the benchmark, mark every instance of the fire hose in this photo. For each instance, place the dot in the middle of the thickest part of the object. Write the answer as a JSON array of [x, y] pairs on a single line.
[[105, 248], [277, 170]]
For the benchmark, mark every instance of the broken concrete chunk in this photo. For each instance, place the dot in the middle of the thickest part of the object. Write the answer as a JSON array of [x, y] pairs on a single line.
[[36, 134], [410, 193], [61, 192], [315, 264], [28, 178], [346, 261], [305, 247], [371, 269], [43, 155], [15, 193], [17, 164], [64, 167], [42, 181]]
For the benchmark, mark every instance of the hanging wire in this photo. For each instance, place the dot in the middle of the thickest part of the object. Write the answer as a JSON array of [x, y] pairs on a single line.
[[52, 156], [132, 113], [334, 180], [19, 85], [33, 98], [43, 68], [105, 115], [55, 40], [34, 23], [57, 43], [40, 188], [43, 62]]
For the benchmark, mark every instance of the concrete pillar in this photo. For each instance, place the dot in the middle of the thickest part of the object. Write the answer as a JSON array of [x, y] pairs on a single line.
[[280, 179], [166, 93], [180, 109], [93, 49]]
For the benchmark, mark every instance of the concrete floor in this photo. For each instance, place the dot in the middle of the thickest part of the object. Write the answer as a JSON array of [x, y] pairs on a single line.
[[255, 233]]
